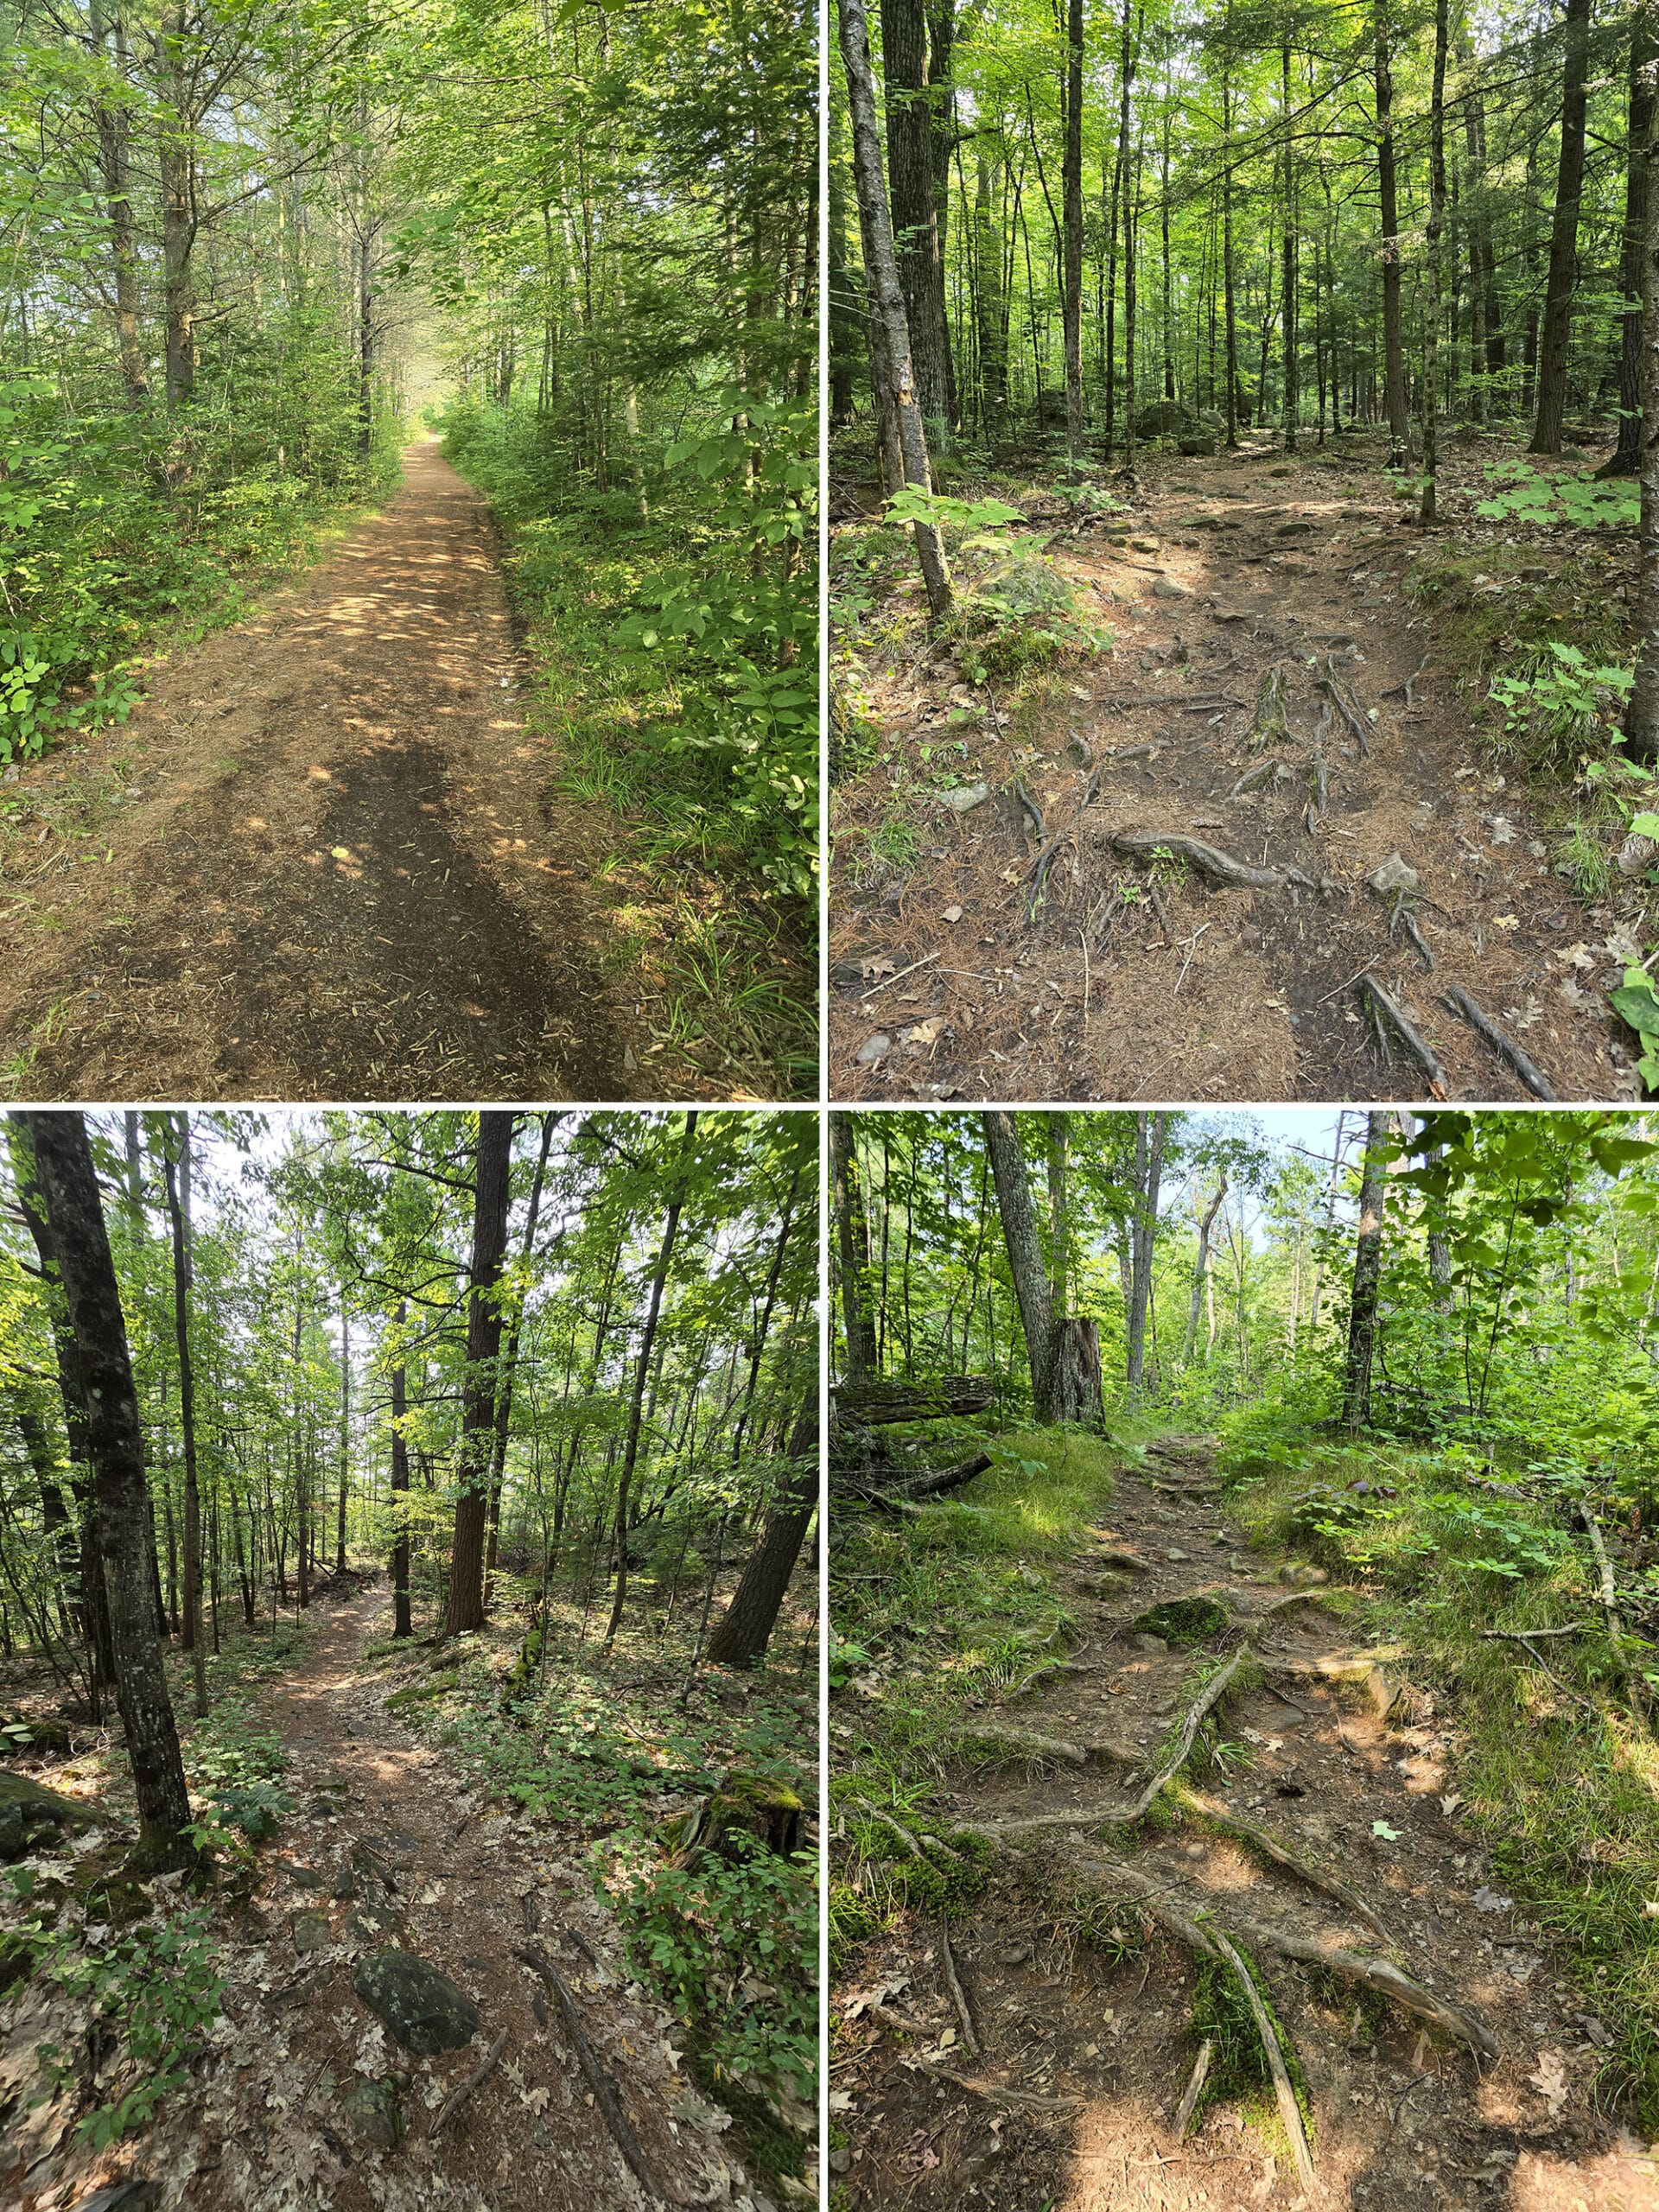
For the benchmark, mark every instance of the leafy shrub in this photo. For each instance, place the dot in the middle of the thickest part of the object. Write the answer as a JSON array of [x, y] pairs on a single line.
[[1557, 697], [1522, 493]]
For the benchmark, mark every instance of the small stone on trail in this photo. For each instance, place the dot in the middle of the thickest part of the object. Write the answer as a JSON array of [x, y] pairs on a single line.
[[1164, 589], [965, 798], [423, 2007], [136, 2195], [345, 1887], [478, 1966], [1015, 1955], [311, 1931], [873, 1049], [1147, 1642], [372, 2110], [1394, 875], [373, 1924], [397, 1847]]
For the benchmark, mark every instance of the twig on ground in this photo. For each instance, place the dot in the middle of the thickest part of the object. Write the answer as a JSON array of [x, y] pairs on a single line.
[[458, 2096], [870, 990]]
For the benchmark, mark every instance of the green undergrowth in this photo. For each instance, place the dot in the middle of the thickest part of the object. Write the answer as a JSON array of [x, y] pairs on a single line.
[[933, 1620], [1558, 1776], [677, 680], [615, 1749]]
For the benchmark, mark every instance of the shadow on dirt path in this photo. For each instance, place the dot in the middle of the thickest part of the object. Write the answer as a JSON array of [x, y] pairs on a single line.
[[1057, 961], [335, 873], [386, 1846], [1406, 2120]]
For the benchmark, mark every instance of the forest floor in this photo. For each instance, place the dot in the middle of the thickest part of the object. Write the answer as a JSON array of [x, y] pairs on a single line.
[[1133, 978], [1071, 2008], [389, 1842], [320, 862]]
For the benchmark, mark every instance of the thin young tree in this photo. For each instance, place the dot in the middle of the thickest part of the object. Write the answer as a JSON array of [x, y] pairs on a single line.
[[491, 1184]]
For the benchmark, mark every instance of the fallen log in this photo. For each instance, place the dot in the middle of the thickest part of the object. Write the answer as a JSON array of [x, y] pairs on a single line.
[[1506, 1048], [871, 1405], [605, 2096]]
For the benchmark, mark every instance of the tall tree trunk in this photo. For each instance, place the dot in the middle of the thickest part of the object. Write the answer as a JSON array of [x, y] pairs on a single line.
[[746, 1627], [510, 1361], [490, 1193], [1071, 202], [344, 1429], [1229, 293], [894, 372], [1562, 281], [1393, 355], [1642, 714], [1626, 459], [1024, 1249], [400, 1620], [843, 321], [114, 166], [988, 296], [851, 1244], [915, 206], [1368, 1269], [1201, 1271], [1288, 245], [177, 169], [68, 1184], [1119, 201], [1425, 511], [1149, 1131], [176, 1160], [631, 1448]]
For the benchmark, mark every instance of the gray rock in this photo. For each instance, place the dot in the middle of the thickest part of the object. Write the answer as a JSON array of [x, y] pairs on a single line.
[[37, 1803], [1197, 449], [311, 1931], [423, 2008], [1147, 1642], [373, 2112], [1164, 418], [345, 1888], [874, 1049], [1294, 530], [123, 2196], [1015, 1955], [1395, 874], [1164, 589], [13, 1838], [965, 798], [397, 1848], [374, 1924]]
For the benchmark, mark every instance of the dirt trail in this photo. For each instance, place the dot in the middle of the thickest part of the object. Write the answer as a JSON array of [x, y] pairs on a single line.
[[1229, 567], [1403, 2120], [334, 871], [262, 2126]]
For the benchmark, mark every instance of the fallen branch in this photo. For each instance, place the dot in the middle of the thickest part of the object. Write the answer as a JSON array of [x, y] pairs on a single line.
[[605, 2096], [958, 1995], [1194, 2087], [1505, 1048], [1377, 1002], [1209, 859], [1290, 2111], [458, 2096]]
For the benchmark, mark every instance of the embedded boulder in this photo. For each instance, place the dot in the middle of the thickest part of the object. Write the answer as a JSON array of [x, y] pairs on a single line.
[[374, 2111], [423, 2007]]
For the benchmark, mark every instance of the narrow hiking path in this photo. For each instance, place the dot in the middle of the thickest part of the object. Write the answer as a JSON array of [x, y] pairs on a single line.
[[320, 861], [386, 1846], [1084, 2061], [1137, 977]]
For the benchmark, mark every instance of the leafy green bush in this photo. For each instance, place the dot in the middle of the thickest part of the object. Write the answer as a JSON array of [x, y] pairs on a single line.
[[1522, 493]]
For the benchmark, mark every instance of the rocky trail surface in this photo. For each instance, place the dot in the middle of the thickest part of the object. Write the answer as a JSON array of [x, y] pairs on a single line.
[[1470, 2090], [320, 862], [1192, 876], [376, 1975]]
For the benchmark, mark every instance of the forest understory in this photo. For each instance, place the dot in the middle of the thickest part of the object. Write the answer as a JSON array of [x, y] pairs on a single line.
[[389, 1834], [1328, 1812], [1261, 655]]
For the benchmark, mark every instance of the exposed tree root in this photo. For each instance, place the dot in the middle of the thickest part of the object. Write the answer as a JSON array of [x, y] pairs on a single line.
[[605, 2096], [999, 2093], [1504, 1046], [1280, 1855], [1214, 1690], [1381, 1007], [1268, 725], [1263, 772], [1348, 708], [1194, 2090], [1289, 2110], [958, 1994], [1221, 868], [1024, 1742]]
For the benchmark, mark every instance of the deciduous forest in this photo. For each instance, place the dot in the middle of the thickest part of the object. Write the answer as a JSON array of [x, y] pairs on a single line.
[[409, 1638], [1243, 1676], [250, 253], [1237, 447]]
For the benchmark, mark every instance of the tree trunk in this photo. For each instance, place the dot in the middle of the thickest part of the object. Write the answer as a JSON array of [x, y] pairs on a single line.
[[68, 1186], [114, 168], [631, 1448], [915, 206], [1200, 1271], [1626, 458], [1148, 1175], [1562, 280], [1394, 356], [400, 1625], [177, 1169], [1368, 1267], [746, 1627], [893, 370], [177, 169], [851, 1243], [1074, 1390], [1642, 715], [1425, 511], [490, 1193], [1025, 1251], [1071, 202], [989, 297], [510, 1363], [1288, 283]]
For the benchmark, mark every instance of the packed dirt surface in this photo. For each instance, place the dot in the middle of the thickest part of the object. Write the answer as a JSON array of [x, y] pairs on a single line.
[[327, 867], [1070, 2103], [1024, 954], [387, 1847]]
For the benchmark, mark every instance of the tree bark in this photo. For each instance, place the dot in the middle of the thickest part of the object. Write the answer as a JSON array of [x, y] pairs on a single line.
[[1368, 1269], [1562, 280], [1426, 511], [177, 1170], [491, 1191], [746, 1627], [1025, 1251], [1200, 1271], [401, 1625], [1149, 1133], [1393, 355], [851, 1242], [631, 1448], [915, 206], [1626, 459], [68, 1186], [894, 372], [1642, 714], [1071, 208]]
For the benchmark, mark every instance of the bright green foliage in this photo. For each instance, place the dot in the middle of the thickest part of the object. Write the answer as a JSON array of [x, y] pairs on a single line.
[[1523, 494]]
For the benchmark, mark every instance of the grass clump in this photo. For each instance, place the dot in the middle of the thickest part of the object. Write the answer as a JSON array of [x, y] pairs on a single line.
[[1184, 1622]]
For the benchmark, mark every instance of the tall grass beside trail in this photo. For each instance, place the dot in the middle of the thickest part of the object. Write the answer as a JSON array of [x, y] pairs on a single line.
[[674, 618], [124, 529], [1559, 1776]]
